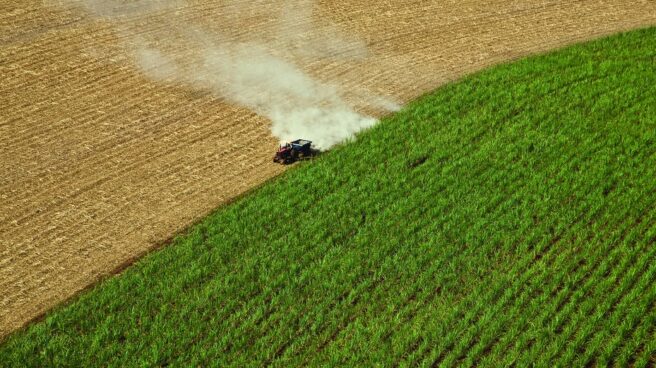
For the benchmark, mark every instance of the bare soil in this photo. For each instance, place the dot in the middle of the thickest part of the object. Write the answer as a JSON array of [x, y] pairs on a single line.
[[100, 164]]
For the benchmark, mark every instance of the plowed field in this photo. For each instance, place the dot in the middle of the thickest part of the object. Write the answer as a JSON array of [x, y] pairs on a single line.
[[100, 164]]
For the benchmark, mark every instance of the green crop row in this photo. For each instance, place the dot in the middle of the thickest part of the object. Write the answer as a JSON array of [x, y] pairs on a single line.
[[506, 219]]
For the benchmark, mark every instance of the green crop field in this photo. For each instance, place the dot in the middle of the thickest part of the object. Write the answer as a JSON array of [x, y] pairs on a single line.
[[506, 219]]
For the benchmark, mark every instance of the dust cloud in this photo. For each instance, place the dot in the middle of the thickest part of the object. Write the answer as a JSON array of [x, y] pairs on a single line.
[[251, 53]]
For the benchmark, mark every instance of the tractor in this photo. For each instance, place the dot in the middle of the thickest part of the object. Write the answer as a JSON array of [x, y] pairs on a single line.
[[294, 151]]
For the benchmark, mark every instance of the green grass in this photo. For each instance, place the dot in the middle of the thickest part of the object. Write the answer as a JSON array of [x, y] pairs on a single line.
[[506, 219]]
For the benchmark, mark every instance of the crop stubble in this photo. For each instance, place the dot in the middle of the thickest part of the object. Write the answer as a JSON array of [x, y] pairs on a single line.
[[100, 164]]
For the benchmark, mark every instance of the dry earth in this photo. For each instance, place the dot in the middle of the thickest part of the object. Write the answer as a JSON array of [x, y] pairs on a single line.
[[100, 164]]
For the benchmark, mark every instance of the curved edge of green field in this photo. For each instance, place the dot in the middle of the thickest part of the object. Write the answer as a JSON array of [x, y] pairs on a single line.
[[505, 219]]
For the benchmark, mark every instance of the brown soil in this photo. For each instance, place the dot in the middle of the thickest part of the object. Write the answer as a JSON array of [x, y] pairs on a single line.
[[100, 164]]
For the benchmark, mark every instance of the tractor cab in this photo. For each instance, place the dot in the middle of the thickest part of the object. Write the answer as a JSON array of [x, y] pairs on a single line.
[[284, 148]]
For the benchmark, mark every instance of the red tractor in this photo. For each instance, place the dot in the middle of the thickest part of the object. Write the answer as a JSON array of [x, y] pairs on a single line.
[[293, 151]]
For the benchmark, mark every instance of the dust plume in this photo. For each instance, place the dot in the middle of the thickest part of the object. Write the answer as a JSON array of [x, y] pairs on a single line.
[[262, 67]]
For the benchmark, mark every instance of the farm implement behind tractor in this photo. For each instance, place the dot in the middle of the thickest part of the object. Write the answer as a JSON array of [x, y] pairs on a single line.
[[293, 151]]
